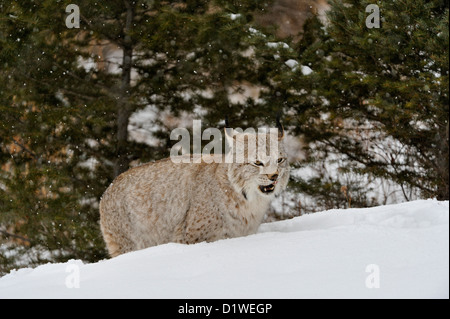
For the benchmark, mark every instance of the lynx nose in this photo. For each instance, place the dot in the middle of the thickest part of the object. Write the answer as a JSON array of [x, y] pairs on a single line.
[[273, 177]]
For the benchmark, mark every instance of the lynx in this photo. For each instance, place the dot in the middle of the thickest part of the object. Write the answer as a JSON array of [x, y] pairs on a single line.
[[163, 201]]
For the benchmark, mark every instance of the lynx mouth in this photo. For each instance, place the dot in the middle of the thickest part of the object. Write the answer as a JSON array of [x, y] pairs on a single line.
[[267, 189]]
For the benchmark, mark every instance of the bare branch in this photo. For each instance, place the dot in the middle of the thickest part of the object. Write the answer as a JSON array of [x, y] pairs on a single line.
[[8, 234], [24, 148]]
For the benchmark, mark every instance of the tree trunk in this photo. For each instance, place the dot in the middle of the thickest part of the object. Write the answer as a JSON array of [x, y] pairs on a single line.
[[123, 106], [443, 165]]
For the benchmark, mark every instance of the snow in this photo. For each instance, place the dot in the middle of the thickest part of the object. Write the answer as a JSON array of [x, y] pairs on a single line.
[[306, 70], [277, 45], [395, 251], [256, 32], [291, 63], [234, 16]]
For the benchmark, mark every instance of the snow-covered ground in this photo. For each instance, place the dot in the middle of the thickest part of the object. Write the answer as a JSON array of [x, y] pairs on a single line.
[[396, 251]]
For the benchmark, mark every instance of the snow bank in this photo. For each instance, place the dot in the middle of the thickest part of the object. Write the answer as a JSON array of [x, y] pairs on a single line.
[[397, 251]]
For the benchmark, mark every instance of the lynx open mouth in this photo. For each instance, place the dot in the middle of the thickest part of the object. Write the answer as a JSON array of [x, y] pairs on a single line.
[[267, 189]]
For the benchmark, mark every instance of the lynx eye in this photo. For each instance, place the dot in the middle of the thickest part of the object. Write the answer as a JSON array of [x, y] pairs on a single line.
[[258, 163], [281, 160]]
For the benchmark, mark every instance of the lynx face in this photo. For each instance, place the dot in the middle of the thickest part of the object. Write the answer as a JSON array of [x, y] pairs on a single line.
[[260, 167]]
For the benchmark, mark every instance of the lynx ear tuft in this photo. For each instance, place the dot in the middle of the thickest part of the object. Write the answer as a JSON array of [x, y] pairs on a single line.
[[280, 127]]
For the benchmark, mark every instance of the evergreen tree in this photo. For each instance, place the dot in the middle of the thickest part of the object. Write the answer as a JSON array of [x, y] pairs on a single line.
[[377, 101], [66, 105]]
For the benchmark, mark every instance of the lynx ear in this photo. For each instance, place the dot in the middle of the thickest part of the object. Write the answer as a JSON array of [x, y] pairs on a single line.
[[280, 127], [229, 135]]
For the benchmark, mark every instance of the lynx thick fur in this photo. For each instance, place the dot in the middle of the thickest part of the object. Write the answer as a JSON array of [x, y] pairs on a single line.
[[164, 202]]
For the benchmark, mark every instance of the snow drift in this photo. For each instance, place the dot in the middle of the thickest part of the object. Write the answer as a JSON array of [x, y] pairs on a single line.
[[396, 251]]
